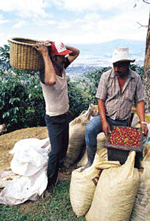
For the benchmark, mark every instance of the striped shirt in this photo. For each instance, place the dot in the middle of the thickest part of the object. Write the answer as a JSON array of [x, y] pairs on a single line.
[[118, 103]]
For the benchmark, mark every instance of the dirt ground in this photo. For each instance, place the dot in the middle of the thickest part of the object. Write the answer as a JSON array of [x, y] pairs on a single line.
[[8, 140]]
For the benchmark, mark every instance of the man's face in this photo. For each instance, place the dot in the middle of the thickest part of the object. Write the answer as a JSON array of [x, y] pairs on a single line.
[[60, 61], [121, 68]]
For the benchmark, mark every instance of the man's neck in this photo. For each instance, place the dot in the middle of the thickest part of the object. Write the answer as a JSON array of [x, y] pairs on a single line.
[[121, 82], [58, 71]]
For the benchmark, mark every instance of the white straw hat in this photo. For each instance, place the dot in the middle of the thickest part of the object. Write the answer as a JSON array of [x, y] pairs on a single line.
[[121, 54]]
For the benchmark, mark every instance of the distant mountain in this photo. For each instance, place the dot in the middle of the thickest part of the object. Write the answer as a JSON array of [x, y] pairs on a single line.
[[101, 54], [78, 71]]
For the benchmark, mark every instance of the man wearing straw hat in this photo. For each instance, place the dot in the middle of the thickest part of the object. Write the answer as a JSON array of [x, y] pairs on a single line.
[[55, 91], [118, 89]]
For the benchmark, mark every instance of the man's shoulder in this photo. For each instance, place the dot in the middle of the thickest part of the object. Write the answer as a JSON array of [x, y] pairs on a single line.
[[134, 74], [107, 74]]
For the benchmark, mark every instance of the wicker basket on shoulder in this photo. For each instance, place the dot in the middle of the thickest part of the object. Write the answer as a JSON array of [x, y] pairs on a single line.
[[23, 54]]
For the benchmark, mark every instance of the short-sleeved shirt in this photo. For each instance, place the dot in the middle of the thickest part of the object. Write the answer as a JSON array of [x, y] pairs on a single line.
[[56, 96], [118, 103]]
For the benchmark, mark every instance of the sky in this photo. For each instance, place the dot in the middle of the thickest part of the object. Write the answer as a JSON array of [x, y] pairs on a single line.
[[73, 22]]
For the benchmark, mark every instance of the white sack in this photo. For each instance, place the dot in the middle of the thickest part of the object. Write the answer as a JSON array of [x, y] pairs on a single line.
[[24, 188], [6, 177], [30, 164], [29, 156]]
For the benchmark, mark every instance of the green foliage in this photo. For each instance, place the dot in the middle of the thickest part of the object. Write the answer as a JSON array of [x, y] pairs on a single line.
[[77, 100], [139, 70], [35, 110], [21, 101], [12, 100], [90, 83], [82, 91], [4, 56], [21, 98]]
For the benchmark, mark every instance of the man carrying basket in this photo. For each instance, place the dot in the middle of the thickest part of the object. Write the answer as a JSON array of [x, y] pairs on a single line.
[[54, 85]]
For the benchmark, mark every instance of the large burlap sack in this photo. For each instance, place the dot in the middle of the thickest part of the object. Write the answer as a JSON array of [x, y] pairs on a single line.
[[141, 208], [103, 152], [83, 184], [146, 150], [83, 160], [115, 193], [77, 127]]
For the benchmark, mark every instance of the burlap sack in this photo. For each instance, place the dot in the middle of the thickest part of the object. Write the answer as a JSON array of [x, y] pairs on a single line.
[[101, 139], [146, 150], [83, 160], [141, 208], [115, 193], [77, 127], [136, 121], [83, 184], [102, 152]]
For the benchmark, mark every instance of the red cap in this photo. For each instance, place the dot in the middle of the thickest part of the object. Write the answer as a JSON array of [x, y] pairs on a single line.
[[58, 48]]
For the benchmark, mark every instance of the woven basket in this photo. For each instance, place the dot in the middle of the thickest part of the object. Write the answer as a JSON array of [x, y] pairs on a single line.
[[23, 54]]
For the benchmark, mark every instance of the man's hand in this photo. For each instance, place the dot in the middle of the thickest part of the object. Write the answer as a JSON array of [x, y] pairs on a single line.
[[106, 128], [47, 43], [144, 129], [42, 48]]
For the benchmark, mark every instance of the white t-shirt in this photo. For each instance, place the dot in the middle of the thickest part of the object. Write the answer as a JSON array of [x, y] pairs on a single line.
[[56, 96]]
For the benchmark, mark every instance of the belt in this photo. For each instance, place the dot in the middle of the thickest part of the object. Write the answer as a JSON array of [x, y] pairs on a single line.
[[121, 120], [63, 115]]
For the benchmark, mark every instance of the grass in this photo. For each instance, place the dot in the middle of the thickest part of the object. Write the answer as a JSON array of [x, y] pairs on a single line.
[[54, 208]]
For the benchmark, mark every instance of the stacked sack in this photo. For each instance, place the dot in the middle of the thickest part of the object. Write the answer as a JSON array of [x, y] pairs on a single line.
[[115, 193], [83, 184], [101, 138], [106, 190], [110, 191], [77, 127], [141, 208]]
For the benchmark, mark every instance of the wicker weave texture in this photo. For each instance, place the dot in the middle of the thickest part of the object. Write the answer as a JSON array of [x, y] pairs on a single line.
[[23, 55]]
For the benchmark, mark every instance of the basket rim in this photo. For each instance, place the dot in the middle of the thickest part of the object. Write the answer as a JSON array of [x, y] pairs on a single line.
[[14, 40]]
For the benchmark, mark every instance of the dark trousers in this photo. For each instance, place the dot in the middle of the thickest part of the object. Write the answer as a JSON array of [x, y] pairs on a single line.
[[58, 130]]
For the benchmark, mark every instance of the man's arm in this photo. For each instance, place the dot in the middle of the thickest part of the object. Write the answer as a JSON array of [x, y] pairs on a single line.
[[75, 53], [49, 75], [140, 109], [101, 109]]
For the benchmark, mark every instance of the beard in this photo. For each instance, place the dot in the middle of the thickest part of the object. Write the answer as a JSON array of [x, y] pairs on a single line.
[[122, 74]]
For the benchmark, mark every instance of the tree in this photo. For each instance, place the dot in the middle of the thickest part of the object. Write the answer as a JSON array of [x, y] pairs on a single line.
[[146, 75]]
